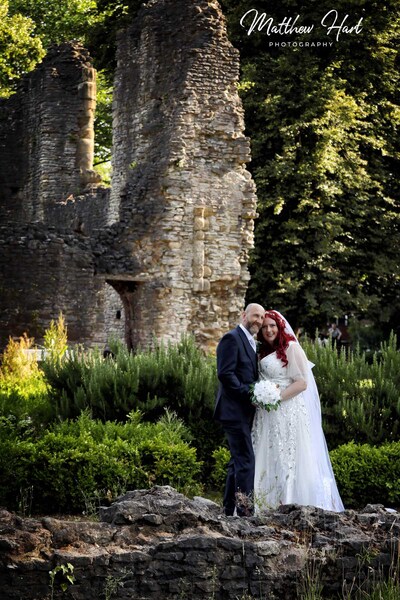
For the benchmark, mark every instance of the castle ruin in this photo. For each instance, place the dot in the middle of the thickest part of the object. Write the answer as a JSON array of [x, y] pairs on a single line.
[[164, 251]]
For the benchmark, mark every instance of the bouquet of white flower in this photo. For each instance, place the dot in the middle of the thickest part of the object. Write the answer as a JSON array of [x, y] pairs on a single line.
[[266, 395]]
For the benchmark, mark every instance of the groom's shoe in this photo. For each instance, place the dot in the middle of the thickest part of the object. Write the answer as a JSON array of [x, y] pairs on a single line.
[[229, 510]]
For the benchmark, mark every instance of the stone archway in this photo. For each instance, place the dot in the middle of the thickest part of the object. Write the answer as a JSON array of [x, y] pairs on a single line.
[[129, 290]]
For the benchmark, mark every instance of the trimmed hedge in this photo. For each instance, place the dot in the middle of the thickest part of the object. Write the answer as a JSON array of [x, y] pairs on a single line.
[[77, 465], [368, 474]]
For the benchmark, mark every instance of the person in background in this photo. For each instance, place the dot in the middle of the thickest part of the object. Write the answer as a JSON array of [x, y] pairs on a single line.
[[335, 334]]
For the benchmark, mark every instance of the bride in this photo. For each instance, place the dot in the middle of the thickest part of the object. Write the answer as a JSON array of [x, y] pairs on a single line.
[[292, 464]]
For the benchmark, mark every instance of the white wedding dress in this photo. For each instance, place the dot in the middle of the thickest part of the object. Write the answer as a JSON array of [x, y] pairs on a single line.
[[291, 456]]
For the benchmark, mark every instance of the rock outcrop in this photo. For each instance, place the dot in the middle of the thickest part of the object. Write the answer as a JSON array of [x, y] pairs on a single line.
[[153, 544]]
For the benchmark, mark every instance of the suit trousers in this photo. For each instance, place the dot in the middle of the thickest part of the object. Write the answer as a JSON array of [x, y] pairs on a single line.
[[239, 485]]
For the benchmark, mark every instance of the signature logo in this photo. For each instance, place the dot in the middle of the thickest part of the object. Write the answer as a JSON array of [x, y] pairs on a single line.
[[332, 22]]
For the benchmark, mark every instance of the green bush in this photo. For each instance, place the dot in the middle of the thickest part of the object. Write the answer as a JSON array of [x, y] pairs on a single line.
[[77, 464], [177, 375], [26, 399], [23, 389], [364, 474], [221, 457], [174, 376], [367, 474], [174, 465], [360, 399]]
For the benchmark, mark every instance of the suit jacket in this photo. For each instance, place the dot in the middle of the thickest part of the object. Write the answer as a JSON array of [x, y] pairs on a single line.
[[237, 370]]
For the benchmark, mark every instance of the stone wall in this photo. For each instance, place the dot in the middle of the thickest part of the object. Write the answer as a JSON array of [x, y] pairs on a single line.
[[50, 207], [167, 246], [64, 264], [46, 135], [156, 544], [179, 179]]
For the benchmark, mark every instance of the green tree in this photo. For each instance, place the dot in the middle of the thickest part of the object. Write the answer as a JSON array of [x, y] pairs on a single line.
[[20, 50], [57, 21], [103, 125], [323, 124], [102, 36]]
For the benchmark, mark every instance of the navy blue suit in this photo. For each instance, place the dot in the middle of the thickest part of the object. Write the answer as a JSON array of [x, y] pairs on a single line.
[[237, 370]]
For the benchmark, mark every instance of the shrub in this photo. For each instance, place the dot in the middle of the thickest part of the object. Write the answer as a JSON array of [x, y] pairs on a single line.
[[174, 376], [177, 375], [23, 389], [65, 472], [55, 338], [360, 399], [364, 474], [16, 361], [26, 399], [367, 474], [221, 457], [76, 464], [174, 465]]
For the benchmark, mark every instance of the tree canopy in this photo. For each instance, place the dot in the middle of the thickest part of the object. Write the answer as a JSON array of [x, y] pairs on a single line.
[[324, 128], [56, 21], [20, 50]]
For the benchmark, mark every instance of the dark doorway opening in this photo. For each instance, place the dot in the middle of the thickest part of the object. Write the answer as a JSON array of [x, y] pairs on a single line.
[[128, 292]]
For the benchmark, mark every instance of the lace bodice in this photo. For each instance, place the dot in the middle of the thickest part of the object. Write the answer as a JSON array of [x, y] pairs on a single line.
[[271, 368]]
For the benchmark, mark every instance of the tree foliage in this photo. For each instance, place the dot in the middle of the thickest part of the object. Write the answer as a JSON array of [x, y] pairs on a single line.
[[103, 124], [45, 22], [323, 123], [56, 21], [20, 50]]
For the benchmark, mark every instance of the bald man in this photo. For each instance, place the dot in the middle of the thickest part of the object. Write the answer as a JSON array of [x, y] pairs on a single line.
[[237, 370]]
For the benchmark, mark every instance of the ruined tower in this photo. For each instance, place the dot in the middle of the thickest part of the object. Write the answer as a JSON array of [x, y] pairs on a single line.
[[180, 182], [167, 247]]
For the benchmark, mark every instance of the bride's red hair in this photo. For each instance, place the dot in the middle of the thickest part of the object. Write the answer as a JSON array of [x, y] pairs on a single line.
[[281, 342]]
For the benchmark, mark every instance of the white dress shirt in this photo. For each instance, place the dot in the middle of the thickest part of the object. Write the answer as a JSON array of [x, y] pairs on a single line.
[[251, 339]]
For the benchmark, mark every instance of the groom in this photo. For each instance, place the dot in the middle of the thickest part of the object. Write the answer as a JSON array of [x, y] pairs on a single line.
[[237, 370]]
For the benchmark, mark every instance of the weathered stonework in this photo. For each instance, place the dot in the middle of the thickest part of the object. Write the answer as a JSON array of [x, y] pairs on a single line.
[[64, 264], [46, 135], [50, 205], [167, 247], [156, 544], [180, 182]]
